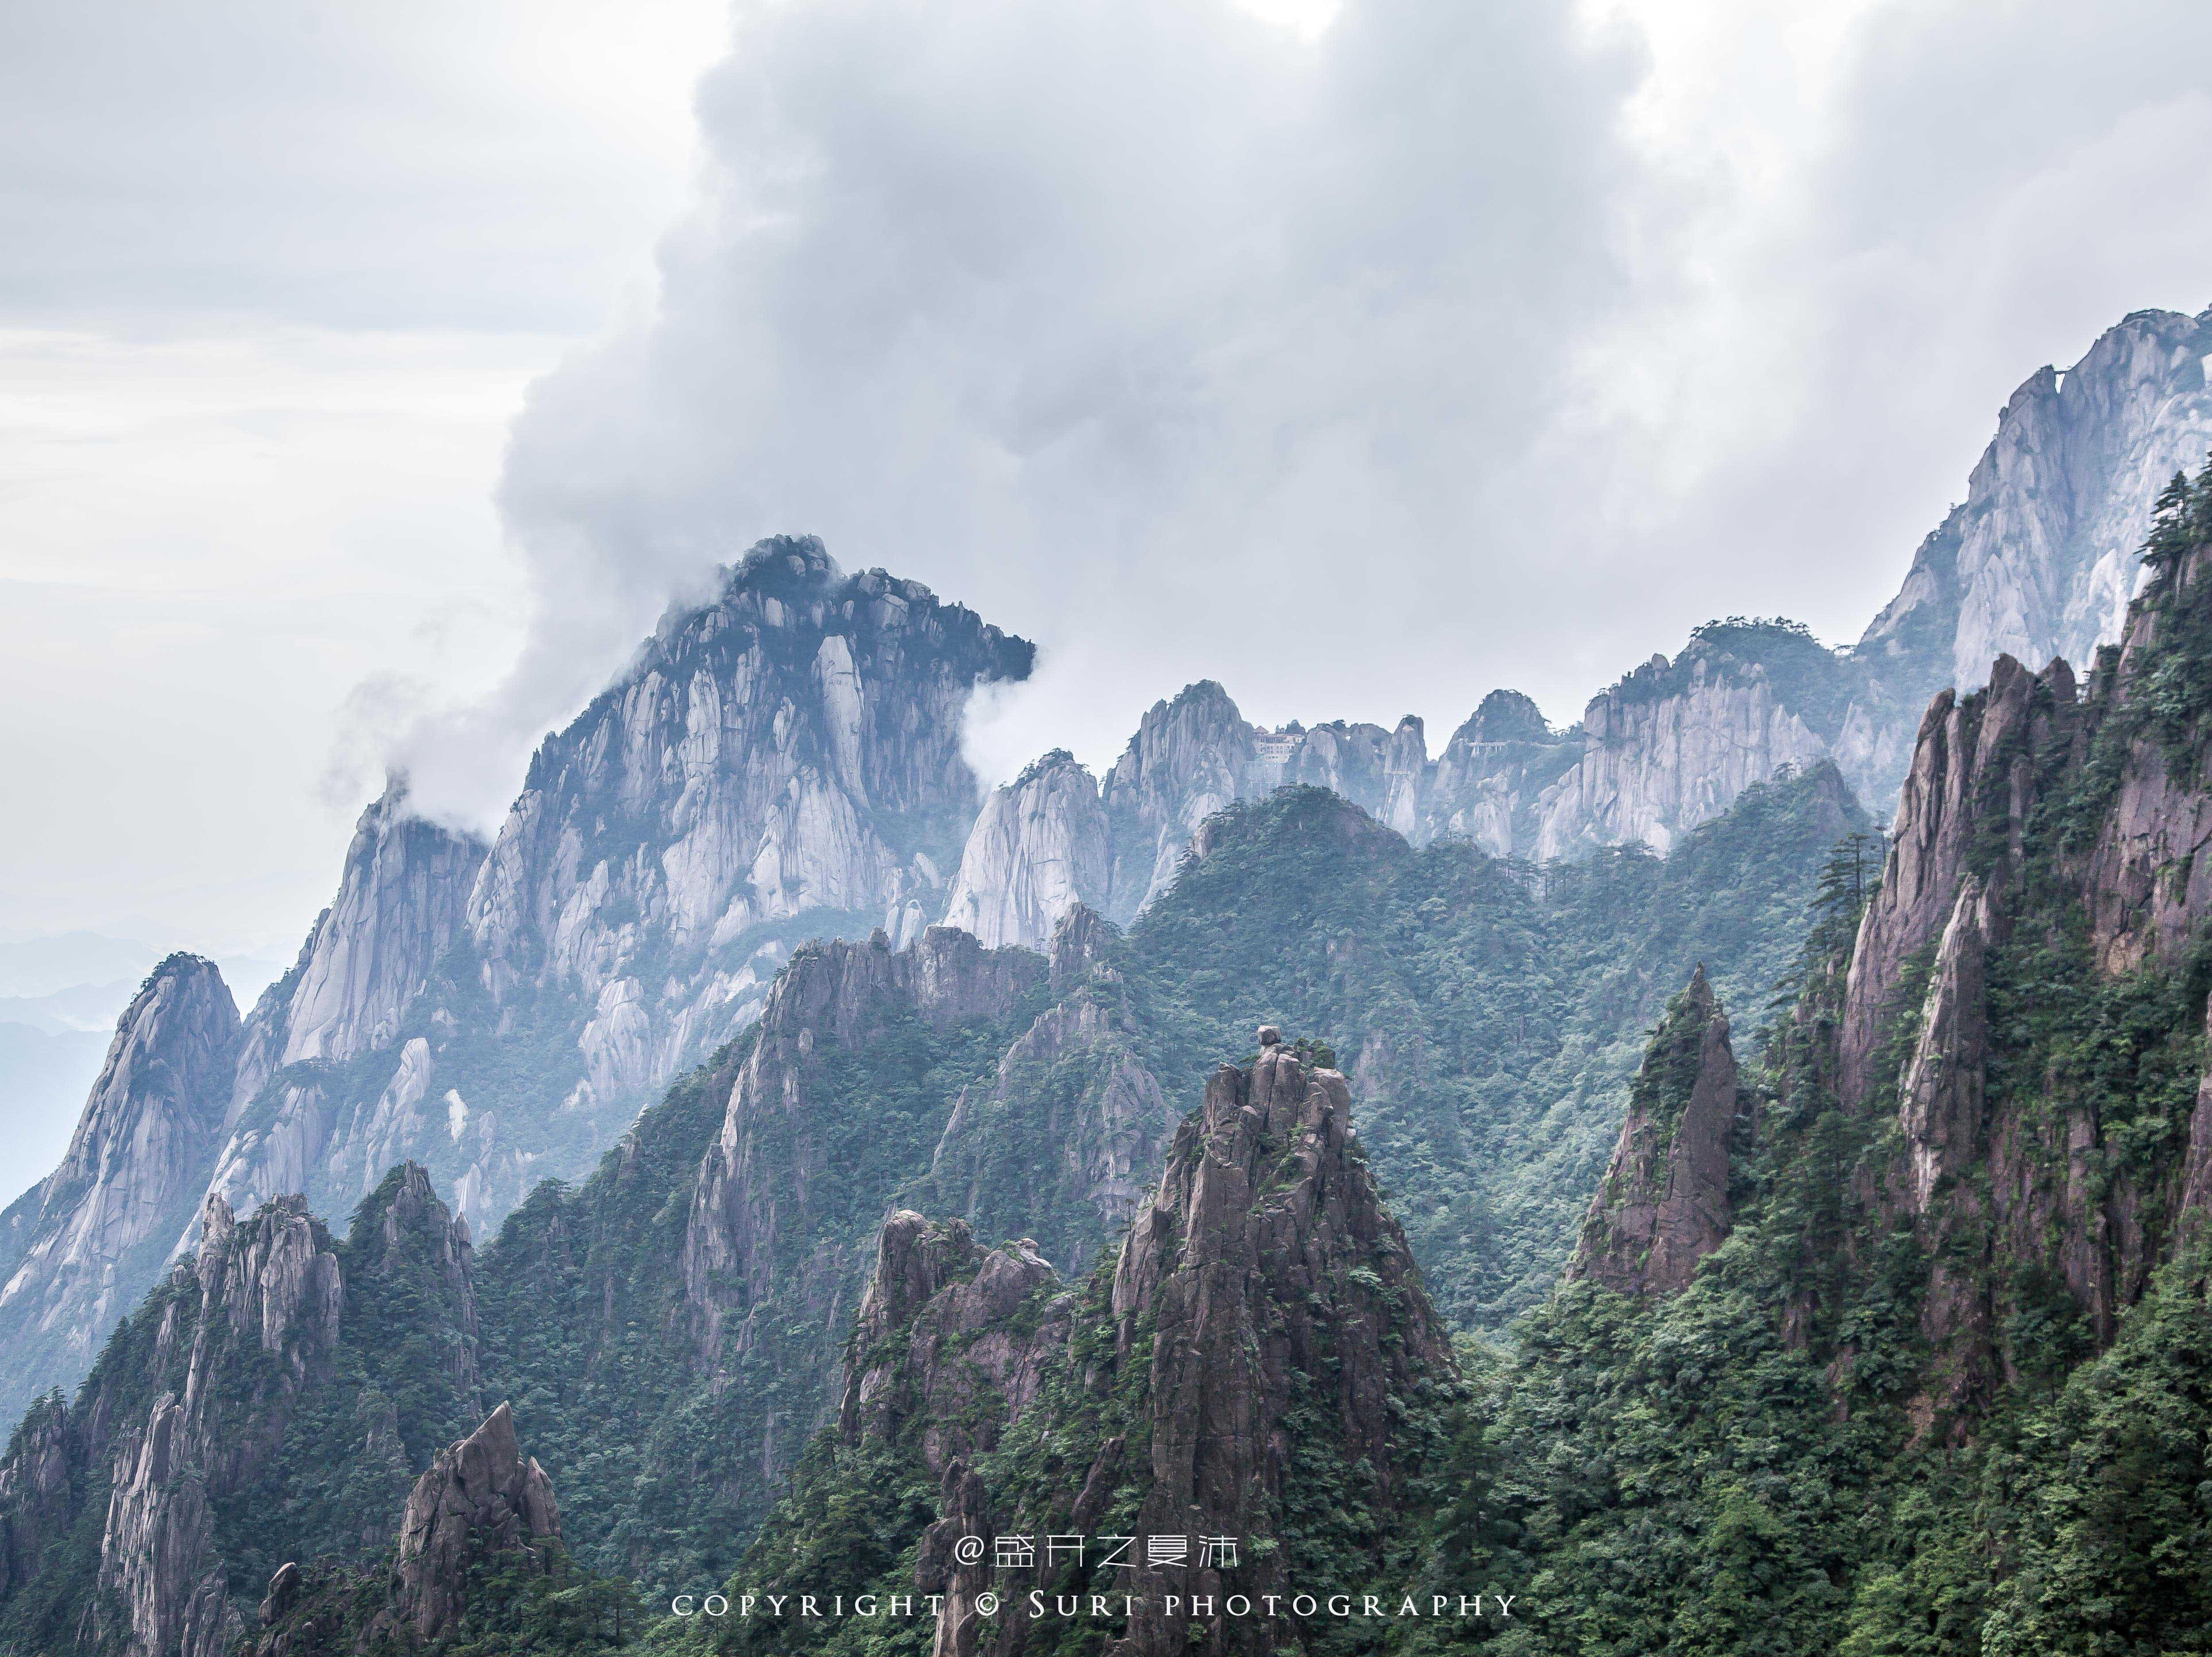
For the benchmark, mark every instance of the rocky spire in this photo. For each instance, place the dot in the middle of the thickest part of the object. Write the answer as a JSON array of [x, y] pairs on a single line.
[[1038, 850], [1663, 1206], [130, 1182], [481, 1497], [232, 1369], [1270, 1304], [271, 1339], [765, 1181], [1260, 1361], [970, 1362], [771, 764]]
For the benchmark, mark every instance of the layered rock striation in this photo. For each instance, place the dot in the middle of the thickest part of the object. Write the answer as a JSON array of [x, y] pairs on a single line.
[[98, 1227], [246, 1407], [780, 763]]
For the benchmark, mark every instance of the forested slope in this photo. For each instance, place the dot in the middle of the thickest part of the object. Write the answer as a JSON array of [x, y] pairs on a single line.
[[1946, 1385]]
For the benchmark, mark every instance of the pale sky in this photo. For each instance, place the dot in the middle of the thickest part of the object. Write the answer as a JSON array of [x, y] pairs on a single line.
[[370, 377]]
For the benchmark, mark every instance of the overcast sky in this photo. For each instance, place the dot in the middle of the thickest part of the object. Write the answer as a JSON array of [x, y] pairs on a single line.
[[370, 377]]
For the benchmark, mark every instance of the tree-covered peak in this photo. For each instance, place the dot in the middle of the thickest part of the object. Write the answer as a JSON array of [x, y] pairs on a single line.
[[1808, 678]]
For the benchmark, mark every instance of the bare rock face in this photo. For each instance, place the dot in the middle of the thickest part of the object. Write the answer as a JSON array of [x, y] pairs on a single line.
[[1262, 1347], [2036, 814], [1194, 756], [1486, 786], [1664, 1204], [36, 1502], [793, 747], [158, 1557], [130, 1182], [399, 910], [1969, 752], [270, 1297], [1267, 1255], [481, 1497], [1672, 746], [1079, 944], [782, 762], [2043, 557], [149, 1486], [1038, 849]]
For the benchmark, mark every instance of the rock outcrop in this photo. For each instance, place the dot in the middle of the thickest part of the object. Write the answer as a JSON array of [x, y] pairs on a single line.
[[36, 1503], [398, 911], [1266, 1262], [1969, 750], [1196, 753], [1039, 848], [2045, 846], [244, 1359], [942, 1350], [782, 762], [1063, 1139], [1486, 786], [2044, 556], [270, 1296], [481, 1497], [1663, 1206], [1263, 1335], [1670, 747], [132, 1176]]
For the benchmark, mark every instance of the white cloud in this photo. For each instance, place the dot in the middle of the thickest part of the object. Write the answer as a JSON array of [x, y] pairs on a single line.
[[275, 279], [1365, 363], [1364, 356]]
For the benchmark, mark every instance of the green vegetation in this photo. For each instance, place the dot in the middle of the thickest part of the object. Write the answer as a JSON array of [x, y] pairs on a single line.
[[663, 1470], [1772, 1461], [1816, 683], [327, 1452], [1491, 1013]]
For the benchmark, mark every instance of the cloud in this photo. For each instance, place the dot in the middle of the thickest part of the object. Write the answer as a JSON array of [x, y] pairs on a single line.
[[274, 280], [1364, 365], [1186, 342], [410, 164]]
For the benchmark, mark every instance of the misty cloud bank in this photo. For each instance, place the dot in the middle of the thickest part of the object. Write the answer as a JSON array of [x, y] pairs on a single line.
[[1456, 347]]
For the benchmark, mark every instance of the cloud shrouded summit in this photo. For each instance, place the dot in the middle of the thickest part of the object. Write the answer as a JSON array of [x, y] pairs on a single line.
[[1451, 347], [1135, 323]]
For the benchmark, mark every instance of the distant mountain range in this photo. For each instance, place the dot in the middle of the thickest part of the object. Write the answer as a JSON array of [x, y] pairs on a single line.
[[785, 763], [753, 959]]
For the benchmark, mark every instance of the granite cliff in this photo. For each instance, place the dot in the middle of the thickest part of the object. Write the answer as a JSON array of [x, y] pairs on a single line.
[[1258, 1362], [780, 763], [273, 1395], [2042, 557], [2046, 847], [1920, 1365], [1663, 1204], [1038, 849], [2040, 560], [95, 1231]]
